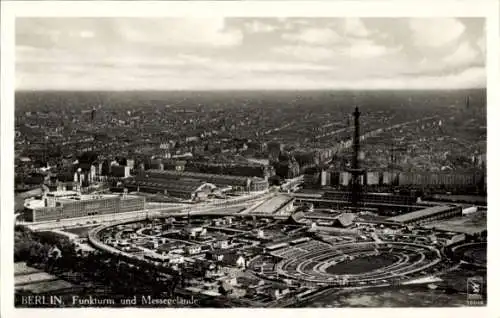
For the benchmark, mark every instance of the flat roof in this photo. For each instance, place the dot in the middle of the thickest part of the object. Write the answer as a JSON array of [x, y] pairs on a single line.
[[457, 197], [20, 268], [276, 245], [468, 224], [420, 213], [33, 278], [88, 197], [274, 203], [39, 204], [62, 193], [34, 204], [47, 286], [178, 185], [194, 174]]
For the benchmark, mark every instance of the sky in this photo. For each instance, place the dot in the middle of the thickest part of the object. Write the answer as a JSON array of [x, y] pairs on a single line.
[[249, 53]]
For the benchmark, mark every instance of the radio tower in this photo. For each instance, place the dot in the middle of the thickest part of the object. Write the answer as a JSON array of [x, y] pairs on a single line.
[[355, 170]]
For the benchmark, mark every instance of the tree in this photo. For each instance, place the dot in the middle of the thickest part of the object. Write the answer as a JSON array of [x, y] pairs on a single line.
[[88, 157]]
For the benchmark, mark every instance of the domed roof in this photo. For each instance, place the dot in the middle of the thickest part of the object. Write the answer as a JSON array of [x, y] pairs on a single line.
[[296, 217], [345, 219]]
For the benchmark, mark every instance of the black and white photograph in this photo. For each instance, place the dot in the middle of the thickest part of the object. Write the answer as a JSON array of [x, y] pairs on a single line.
[[249, 162]]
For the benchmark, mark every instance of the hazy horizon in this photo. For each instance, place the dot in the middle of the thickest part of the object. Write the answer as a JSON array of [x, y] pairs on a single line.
[[251, 90]]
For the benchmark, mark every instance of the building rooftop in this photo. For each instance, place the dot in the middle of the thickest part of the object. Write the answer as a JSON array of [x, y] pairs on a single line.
[[296, 218], [346, 219], [58, 194], [420, 213], [34, 204], [468, 224], [271, 205], [178, 185], [208, 177], [38, 204], [86, 197], [20, 268]]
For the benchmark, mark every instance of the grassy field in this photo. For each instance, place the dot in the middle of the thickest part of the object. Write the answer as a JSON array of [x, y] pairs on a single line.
[[392, 297], [450, 292], [361, 265]]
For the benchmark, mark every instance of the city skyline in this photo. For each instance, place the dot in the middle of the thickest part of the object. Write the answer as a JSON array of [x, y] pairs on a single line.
[[249, 53]]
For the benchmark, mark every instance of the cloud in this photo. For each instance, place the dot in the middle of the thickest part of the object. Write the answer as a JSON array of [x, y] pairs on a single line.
[[435, 32], [481, 44], [465, 54], [470, 78], [195, 59], [352, 50], [306, 53], [39, 57], [355, 27], [360, 49], [218, 66], [315, 36], [246, 53], [267, 67], [335, 33], [87, 34], [180, 32], [257, 26], [107, 32]]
